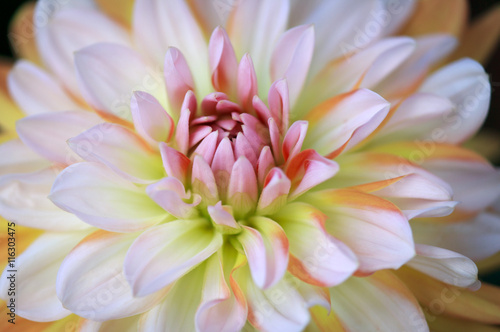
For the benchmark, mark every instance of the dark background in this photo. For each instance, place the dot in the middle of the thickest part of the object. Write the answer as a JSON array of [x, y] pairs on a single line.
[[8, 8]]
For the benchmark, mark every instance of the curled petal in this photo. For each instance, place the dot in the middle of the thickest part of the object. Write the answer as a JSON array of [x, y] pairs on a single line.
[[292, 143], [279, 104], [223, 219], [169, 193], [274, 192], [175, 163]]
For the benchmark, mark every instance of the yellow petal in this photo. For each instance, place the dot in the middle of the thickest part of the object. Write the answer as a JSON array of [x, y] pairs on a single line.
[[9, 112], [438, 298], [22, 34], [120, 10], [429, 18], [480, 39], [326, 322]]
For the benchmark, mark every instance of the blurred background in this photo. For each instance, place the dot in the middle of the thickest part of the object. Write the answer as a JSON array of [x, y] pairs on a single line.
[[477, 7]]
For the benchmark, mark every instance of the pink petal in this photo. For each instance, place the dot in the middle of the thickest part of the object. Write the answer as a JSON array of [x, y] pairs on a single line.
[[292, 57], [95, 267], [292, 143], [104, 83], [207, 147], [203, 181], [276, 143], [151, 120], [178, 79], [223, 218], [121, 150], [95, 194], [182, 131], [256, 133], [222, 166], [35, 91], [169, 193], [243, 148], [175, 163], [198, 133], [163, 254], [264, 164], [308, 169], [266, 248], [47, 133], [274, 194], [223, 62], [220, 309], [279, 104], [247, 82], [242, 190], [316, 257]]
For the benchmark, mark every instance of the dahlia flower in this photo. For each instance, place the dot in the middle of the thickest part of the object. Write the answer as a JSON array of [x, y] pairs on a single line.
[[247, 165]]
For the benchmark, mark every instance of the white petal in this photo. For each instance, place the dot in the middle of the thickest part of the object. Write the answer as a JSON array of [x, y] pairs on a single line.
[[47, 133], [95, 194], [35, 91], [445, 265], [35, 283], [21, 159], [108, 74], [24, 199], [151, 264], [91, 282]]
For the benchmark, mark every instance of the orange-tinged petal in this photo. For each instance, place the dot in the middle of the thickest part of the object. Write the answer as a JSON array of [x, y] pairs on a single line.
[[22, 33], [439, 298], [428, 18], [121, 10], [480, 39], [326, 322]]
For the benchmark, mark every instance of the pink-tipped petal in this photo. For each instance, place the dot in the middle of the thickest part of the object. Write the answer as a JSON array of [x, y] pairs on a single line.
[[274, 193], [243, 148], [222, 166], [151, 120], [121, 150], [242, 190], [220, 310], [325, 263], [266, 248], [308, 169], [294, 138], [207, 147], [223, 63], [292, 57], [47, 133], [264, 164], [175, 163], [163, 254], [247, 82], [182, 131], [276, 142], [279, 104], [203, 181], [223, 218], [169, 193], [178, 79]]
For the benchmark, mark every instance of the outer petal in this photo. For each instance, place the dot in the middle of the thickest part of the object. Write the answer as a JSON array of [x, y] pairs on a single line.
[[21, 158], [95, 194], [68, 28], [121, 150], [316, 257], [397, 309], [47, 133], [266, 248], [150, 264], [467, 85], [23, 199], [35, 279], [105, 84], [446, 266], [375, 229], [345, 120], [292, 57], [91, 282], [35, 91], [159, 25]]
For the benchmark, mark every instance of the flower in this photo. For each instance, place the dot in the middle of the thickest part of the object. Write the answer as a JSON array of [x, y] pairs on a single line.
[[252, 170]]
